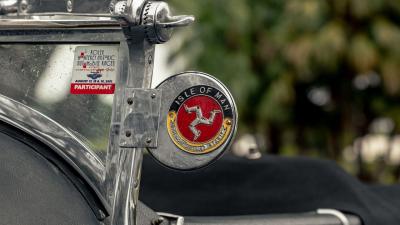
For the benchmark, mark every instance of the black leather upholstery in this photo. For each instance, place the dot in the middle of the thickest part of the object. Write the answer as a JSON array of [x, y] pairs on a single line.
[[34, 191], [270, 185]]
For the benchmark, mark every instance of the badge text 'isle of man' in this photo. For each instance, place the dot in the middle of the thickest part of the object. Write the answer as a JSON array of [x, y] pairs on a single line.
[[200, 119]]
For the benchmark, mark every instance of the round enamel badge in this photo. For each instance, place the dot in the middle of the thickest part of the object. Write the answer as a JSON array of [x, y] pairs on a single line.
[[200, 119], [197, 122]]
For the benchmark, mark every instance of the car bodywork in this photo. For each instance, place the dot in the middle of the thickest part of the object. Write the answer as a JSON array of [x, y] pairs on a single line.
[[113, 177]]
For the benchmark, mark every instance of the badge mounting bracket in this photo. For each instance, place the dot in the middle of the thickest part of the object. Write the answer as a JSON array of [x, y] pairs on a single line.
[[140, 118]]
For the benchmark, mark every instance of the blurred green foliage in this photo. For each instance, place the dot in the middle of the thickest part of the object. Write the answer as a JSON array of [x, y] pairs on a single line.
[[309, 75]]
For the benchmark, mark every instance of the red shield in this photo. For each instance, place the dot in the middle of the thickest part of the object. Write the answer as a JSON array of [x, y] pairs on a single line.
[[199, 118]]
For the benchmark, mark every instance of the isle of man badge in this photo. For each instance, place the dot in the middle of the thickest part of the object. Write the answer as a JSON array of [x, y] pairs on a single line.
[[200, 119], [197, 121]]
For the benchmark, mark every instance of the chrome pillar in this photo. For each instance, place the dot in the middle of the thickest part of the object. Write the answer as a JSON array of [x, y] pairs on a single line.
[[145, 24], [124, 164]]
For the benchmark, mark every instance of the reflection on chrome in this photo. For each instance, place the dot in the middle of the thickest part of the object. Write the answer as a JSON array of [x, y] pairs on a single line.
[[39, 77], [61, 140], [52, 84]]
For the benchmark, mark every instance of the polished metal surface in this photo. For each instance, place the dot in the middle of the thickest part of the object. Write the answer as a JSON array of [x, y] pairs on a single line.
[[56, 136], [173, 219], [35, 22], [159, 23], [274, 219], [129, 10], [123, 166], [39, 76], [333, 212], [141, 114], [57, 22], [7, 7], [57, 36], [167, 152], [26, 7]]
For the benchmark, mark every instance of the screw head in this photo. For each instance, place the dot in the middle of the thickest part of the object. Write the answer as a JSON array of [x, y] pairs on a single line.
[[129, 101], [24, 5], [69, 5], [118, 8], [101, 214], [136, 183], [111, 7], [157, 221]]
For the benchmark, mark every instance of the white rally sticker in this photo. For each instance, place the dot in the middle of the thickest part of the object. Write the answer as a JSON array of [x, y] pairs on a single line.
[[94, 70]]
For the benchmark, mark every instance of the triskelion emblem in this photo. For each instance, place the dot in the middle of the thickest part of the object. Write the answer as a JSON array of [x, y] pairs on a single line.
[[200, 119]]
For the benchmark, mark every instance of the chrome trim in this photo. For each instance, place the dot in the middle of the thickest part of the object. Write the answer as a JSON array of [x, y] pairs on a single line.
[[70, 14], [123, 166], [133, 11], [159, 22], [179, 220], [55, 23], [333, 212], [120, 183], [58, 138], [28, 7], [80, 35]]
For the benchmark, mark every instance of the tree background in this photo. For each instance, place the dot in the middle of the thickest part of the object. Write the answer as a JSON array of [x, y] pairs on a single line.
[[310, 77]]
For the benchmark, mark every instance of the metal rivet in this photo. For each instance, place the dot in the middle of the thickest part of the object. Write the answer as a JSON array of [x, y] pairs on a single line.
[[153, 95], [136, 183], [69, 5], [102, 214], [118, 8], [128, 133], [24, 5], [157, 221], [148, 140], [111, 7], [228, 122], [130, 101]]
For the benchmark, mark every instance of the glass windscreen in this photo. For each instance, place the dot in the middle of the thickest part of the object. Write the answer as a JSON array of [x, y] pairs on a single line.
[[39, 76]]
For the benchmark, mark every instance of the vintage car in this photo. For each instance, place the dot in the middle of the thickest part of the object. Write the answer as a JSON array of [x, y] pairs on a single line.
[[78, 111]]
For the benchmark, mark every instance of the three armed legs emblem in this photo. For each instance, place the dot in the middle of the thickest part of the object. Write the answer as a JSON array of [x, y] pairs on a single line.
[[200, 119]]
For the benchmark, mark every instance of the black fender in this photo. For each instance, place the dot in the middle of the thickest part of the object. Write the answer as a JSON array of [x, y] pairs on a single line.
[[39, 187]]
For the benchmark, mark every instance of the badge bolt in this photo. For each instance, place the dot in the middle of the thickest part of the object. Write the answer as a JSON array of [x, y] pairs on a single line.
[[136, 183], [69, 5], [130, 101], [148, 140], [157, 221], [24, 5], [102, 215], [111, 7]]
